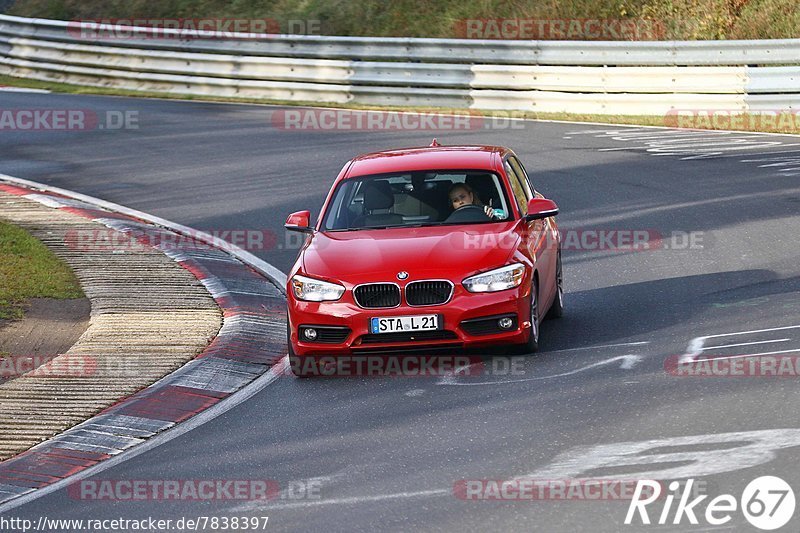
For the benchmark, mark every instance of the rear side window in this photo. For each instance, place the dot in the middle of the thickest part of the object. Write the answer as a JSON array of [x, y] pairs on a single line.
[[519, 190]]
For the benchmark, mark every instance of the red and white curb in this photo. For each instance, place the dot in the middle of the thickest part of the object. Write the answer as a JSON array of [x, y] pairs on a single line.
[[250, 342]]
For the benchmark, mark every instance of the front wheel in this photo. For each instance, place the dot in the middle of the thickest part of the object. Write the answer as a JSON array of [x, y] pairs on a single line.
[[532, 346], [557, 308]]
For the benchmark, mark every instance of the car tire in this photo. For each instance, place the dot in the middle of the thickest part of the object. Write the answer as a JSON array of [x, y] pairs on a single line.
[[557, 307], [532, 346]]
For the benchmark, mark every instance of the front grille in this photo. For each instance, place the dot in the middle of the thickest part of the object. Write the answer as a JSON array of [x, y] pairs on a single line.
[[409, 336], [428, 292], [326, 334], [487, 325], [377, 295]]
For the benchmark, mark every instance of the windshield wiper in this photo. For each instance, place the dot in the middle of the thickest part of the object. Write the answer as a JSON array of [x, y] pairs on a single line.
[[385, 227], [362, 229], [420, 225]]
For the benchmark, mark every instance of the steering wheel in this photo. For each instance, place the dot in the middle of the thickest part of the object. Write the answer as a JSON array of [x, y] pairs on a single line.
[[468, 206], [468, 213]]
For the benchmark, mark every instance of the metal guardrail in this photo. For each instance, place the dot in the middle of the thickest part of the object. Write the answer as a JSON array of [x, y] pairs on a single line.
[[548, 76], [650, 53]]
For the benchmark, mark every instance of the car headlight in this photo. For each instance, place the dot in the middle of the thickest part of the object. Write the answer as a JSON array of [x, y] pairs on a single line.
[[498, 279], [315, 290]]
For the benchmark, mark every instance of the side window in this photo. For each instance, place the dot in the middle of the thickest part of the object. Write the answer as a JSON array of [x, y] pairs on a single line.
[[517, 188], [520, 170]]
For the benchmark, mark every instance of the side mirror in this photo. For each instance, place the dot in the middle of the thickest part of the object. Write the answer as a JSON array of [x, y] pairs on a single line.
[[299, 222], [540, 208]]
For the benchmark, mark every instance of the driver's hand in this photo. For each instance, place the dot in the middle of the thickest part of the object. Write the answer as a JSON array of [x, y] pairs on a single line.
[[489, 211]]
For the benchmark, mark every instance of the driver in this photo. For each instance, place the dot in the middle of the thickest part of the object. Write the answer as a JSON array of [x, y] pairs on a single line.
[[462, 195]]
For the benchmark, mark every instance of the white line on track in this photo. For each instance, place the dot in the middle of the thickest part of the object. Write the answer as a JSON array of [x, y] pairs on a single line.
[[252, 506], [603, 126], [748, 332], [641, 343], [706, 348], [628, 362], [684, 144], [760, 154], [748, 355], [698, 529], [686, 205], [697, 344]]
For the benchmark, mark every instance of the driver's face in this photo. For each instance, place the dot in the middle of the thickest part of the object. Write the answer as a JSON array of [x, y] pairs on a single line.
[[460, 198]]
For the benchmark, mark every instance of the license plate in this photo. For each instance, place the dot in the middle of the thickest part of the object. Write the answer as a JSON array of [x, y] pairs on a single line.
[[395, 324]]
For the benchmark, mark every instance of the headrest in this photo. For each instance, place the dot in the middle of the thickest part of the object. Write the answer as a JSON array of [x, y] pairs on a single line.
[[482, 185], [378, 195]]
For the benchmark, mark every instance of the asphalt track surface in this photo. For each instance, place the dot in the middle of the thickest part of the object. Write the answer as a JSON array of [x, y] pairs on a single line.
[[387, 452]]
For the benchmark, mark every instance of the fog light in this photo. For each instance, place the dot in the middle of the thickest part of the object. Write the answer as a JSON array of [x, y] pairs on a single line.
[[310, 334], [505, 323]]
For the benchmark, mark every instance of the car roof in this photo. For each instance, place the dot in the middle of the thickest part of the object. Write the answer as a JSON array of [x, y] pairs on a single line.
[[427, 158]]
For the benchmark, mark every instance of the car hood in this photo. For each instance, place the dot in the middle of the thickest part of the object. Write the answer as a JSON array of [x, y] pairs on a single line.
[[450, 252]]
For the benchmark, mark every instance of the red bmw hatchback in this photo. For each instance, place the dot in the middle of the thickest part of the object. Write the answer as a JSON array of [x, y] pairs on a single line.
[[424, 248]]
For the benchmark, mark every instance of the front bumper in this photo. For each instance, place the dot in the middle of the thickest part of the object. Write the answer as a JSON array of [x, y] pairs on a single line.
[[349, 324]]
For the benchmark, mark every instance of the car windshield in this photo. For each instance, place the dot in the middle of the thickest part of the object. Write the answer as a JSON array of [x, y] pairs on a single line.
[[417, 199]]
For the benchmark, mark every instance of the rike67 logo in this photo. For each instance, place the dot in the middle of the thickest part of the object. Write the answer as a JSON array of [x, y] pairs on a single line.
[[767, 503]]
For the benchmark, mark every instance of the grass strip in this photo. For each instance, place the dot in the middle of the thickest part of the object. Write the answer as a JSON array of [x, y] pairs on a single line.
[[550, 19], [29, 270]]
